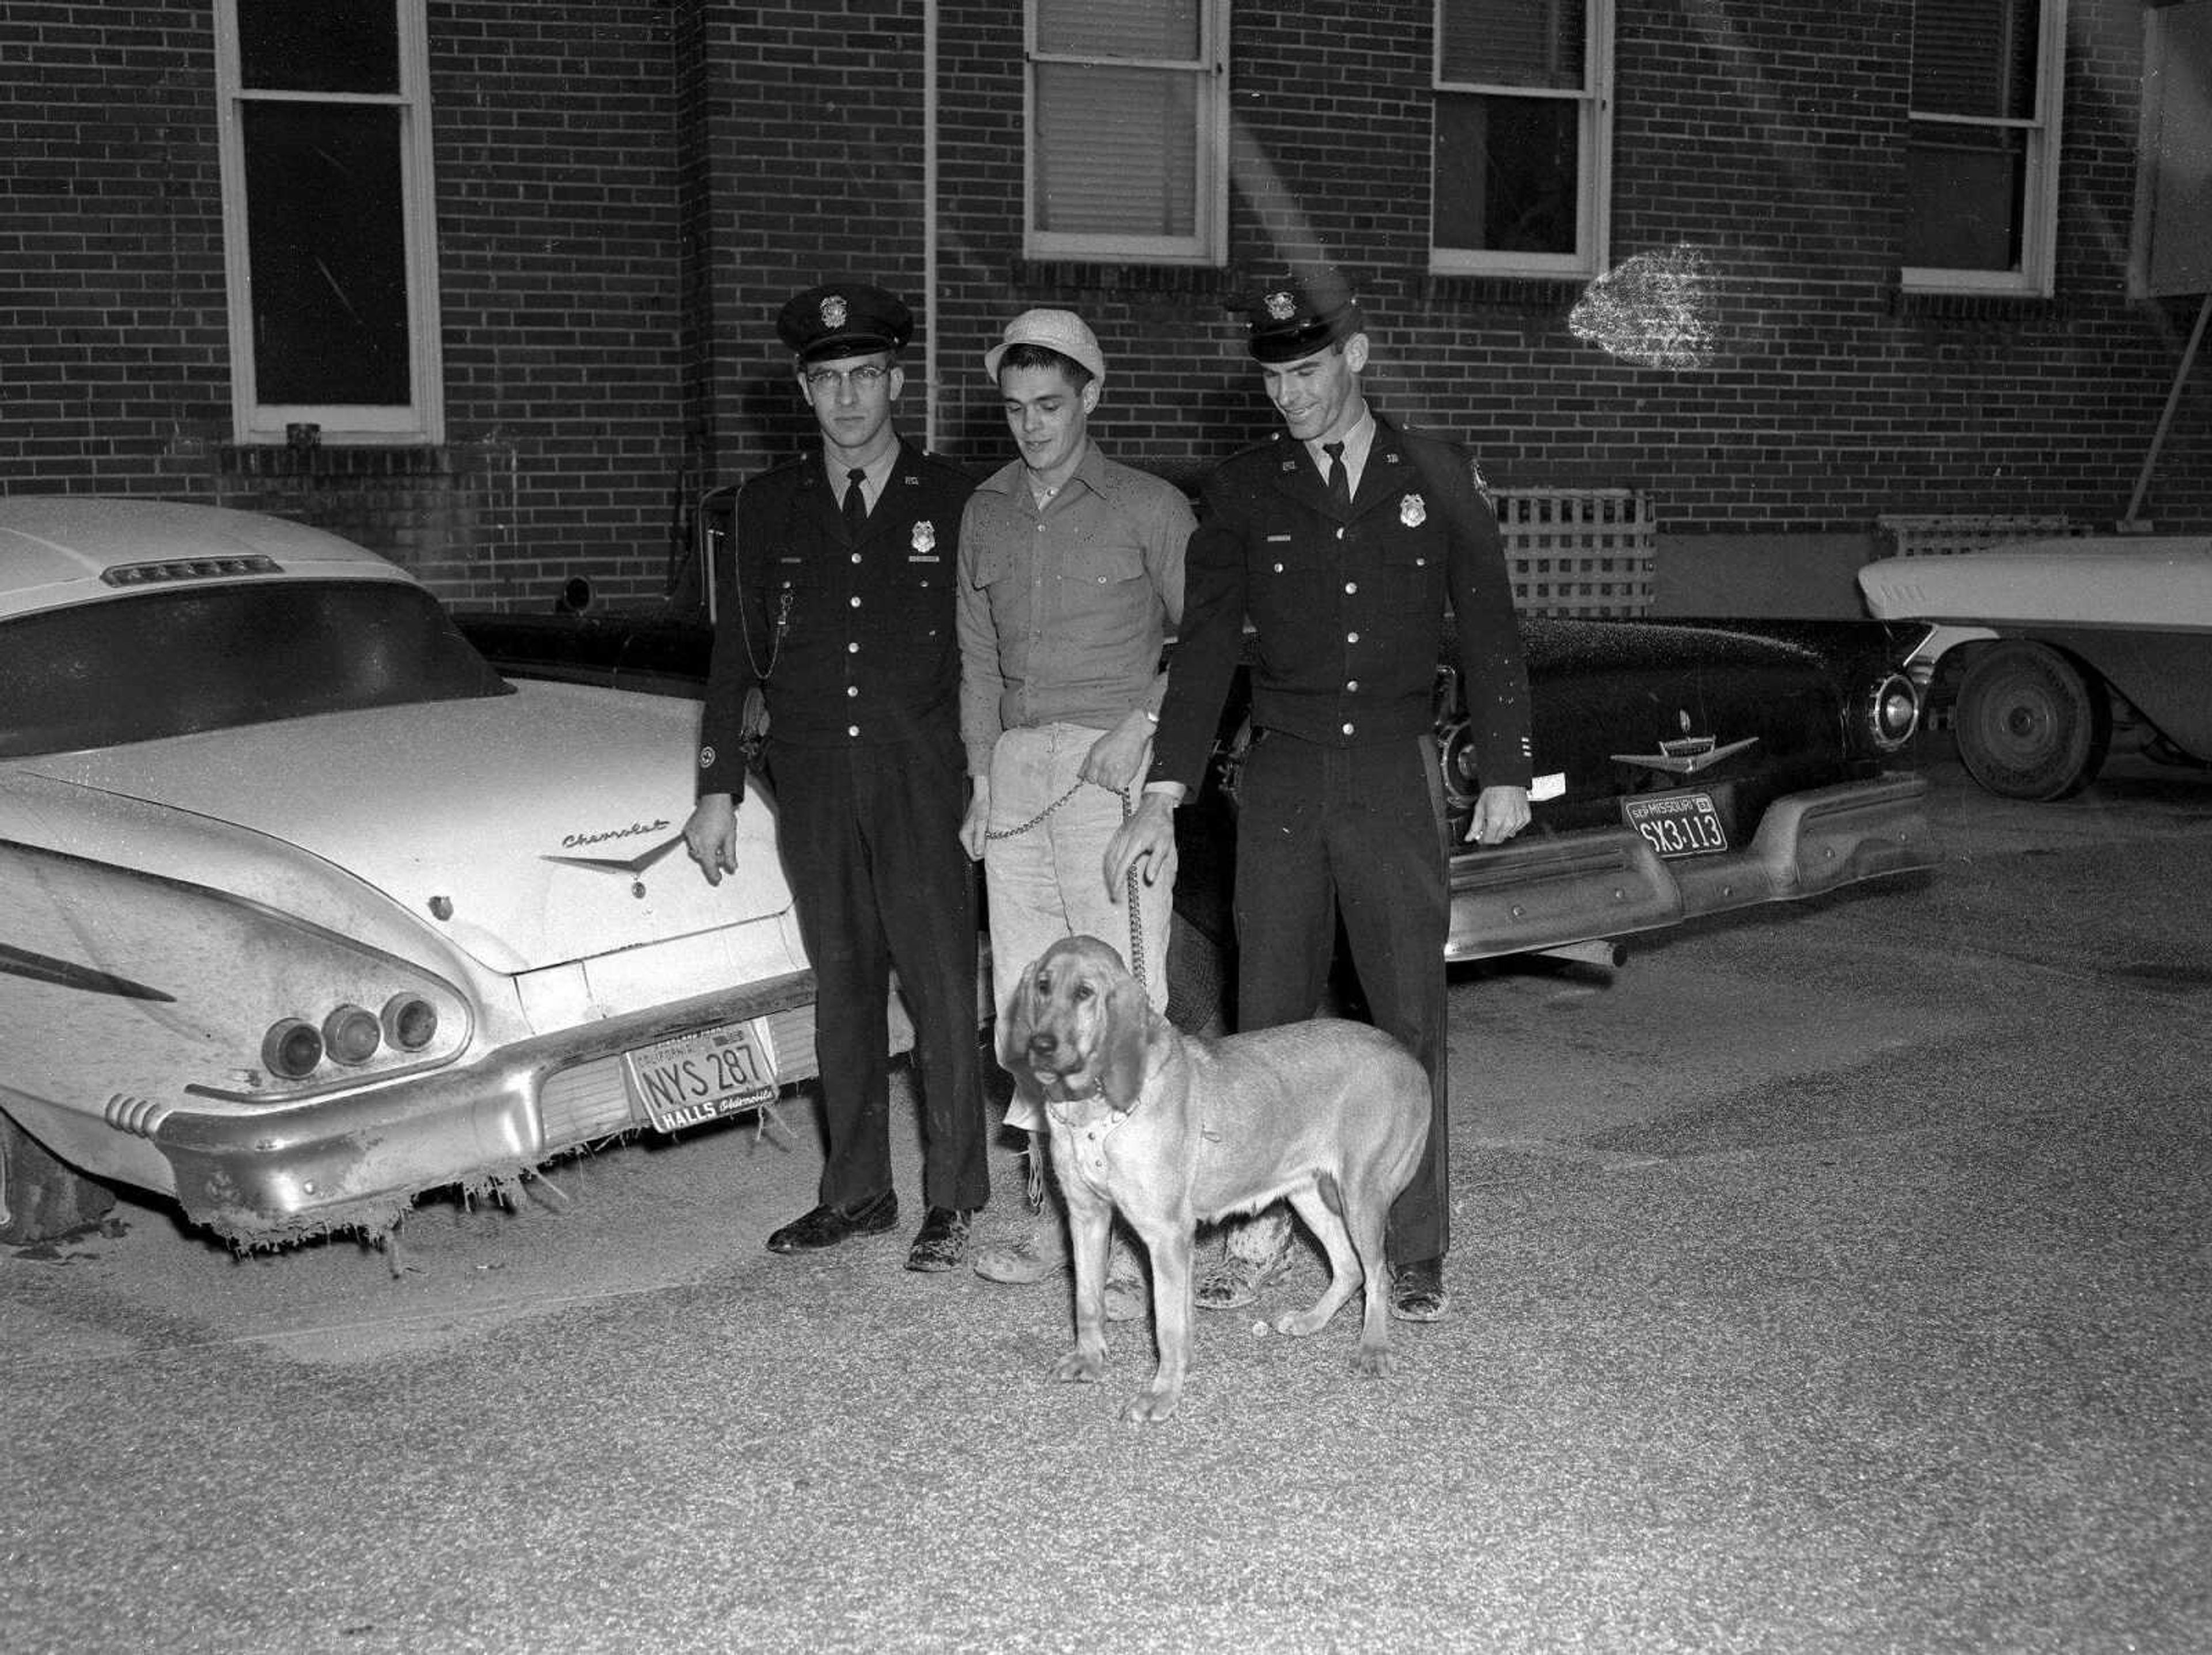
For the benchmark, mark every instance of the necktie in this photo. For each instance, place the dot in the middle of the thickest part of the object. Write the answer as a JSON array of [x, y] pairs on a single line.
[[1340, 482], [856, 502]]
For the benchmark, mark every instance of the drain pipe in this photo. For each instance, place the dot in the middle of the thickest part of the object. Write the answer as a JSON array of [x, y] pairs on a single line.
[[929, 220]]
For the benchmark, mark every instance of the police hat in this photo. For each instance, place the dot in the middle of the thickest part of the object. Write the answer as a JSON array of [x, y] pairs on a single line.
[[1299, 315], [843, 319]]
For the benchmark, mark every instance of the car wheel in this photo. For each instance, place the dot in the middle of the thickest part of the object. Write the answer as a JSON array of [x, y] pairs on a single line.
[[2030, 726], [41, 1197]]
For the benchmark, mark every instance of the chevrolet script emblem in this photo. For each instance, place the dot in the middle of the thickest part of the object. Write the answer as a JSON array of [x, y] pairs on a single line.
[[633, 868]]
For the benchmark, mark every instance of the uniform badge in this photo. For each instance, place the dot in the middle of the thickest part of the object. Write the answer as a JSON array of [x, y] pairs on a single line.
[[1281, 307], [1412, 511], [833, 311], [925, 536], [706, 758]]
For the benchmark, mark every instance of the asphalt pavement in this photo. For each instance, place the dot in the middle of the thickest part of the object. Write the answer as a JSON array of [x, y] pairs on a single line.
[[1833, 1278]]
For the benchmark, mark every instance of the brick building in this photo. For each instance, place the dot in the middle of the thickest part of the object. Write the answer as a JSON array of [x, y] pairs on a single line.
[[1783, 270]]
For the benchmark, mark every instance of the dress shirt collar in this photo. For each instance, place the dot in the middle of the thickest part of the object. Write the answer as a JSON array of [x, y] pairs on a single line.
[[878, 473], [1357, 443]]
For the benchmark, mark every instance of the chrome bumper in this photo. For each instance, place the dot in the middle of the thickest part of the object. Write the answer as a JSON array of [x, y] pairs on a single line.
[[1545, 893], [273, 1175]]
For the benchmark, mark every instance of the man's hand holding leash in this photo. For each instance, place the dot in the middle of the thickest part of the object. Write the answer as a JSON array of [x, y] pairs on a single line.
[[1145, 842]]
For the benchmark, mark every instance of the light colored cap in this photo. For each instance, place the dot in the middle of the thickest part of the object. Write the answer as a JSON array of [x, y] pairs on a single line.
[[1055, 330]]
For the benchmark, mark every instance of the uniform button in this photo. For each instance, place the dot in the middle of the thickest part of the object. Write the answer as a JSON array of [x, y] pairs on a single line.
[[1351, 637], [856, 556], [855, 729], [1351, 686], [851, 689], [1347, 729], [1340, 534], [853, 649], [1278, 569], [856, 600], [1351, 587]]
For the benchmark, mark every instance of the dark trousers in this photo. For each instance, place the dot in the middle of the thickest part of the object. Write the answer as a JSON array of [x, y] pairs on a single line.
[[871, 842], [1324, 829]]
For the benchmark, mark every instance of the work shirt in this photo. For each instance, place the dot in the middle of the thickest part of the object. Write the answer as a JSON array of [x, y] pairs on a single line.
[[1063, 607], [1348, 611], [851, 639]]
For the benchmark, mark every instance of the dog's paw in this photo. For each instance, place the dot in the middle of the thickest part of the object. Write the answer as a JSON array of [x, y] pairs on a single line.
[[1080, 1367], [1373, 1364], [1151, 1408], [1296, 1325]]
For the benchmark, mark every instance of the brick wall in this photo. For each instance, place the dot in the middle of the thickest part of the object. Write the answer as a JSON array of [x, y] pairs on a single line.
[[627, 193]]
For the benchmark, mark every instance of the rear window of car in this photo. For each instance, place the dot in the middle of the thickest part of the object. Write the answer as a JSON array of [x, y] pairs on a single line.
[[177, 662]]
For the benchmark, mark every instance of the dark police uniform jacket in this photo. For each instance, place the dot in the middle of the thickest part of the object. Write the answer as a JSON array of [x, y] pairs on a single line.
[[1348, 611], [853, 644]]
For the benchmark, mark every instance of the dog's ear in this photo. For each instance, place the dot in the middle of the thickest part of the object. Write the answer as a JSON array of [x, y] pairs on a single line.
[[1014, 1031], [1125, 1043]]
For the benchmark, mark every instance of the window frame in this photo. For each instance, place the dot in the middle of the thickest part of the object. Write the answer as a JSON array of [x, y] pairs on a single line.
[[422, 420], [2039, 240], [1594, 171], [1208, 242]]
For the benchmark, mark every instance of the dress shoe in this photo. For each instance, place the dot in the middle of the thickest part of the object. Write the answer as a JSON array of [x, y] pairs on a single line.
[[826, 1226], [942, 1238], [1417, 1292]]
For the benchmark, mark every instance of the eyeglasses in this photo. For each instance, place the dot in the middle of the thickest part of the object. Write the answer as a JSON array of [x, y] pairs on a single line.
[[822, 380]]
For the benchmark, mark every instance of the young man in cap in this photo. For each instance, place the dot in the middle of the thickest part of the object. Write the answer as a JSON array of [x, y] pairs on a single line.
[[842, 616], [1071, 576], [1341, 548]]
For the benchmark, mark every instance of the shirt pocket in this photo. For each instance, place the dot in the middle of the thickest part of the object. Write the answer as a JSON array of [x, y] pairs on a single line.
[[1411, 575]]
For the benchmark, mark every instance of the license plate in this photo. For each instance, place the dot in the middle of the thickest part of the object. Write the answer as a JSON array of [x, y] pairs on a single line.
[[1677, 824], [700, 1077]]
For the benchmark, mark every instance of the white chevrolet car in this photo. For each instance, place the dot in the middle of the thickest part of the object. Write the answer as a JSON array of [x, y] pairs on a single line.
[[305, 910]]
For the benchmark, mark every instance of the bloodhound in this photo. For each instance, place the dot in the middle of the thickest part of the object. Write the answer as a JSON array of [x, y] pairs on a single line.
[[1173, 1129]]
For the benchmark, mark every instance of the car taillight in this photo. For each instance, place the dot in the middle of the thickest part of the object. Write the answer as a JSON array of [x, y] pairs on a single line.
[[352, 1035], [1892, 712], [291, 1048], [411, 1022]]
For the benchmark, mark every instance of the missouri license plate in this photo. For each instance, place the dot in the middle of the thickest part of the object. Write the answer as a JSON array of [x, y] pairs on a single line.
[[698, 1077], [1677, 824]]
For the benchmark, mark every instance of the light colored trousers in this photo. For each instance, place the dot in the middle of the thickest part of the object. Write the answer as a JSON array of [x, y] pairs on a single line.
[[1049, 880]]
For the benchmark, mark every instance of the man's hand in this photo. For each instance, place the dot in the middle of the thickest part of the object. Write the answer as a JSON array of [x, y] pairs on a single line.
[[1499, 813], [710, 834], [1146, 842], [1116, 759], [974, 825]]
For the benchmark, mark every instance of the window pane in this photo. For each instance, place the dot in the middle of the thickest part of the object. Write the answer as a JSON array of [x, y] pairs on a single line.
[[1966, 191], [1117, 151], [1974, 58], [1119, 28], [326, 244], [1506, 171], [320, 45], [1515, 43]]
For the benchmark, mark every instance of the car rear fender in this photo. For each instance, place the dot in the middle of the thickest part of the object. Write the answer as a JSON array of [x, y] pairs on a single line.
[[149, 989]]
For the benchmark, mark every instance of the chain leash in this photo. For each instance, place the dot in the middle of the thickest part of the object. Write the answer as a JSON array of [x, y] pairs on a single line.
[[1129, 809]]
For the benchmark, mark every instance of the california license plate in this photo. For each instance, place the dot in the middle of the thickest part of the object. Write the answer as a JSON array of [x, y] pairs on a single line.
[[1677, 824], [699, 1077]]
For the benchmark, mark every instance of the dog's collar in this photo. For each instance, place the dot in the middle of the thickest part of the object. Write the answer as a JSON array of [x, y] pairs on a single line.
[[1114, 1117]]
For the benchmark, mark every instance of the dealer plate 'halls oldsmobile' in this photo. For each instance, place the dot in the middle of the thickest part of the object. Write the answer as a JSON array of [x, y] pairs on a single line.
[[304, 910]]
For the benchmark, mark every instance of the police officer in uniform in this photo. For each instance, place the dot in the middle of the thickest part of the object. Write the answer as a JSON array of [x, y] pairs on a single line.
[[1342, 547], [842, 616]]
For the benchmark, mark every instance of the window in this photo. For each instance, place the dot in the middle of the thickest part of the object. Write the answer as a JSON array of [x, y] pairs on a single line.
[[1523, 137], [1982, 160], [328, 227], [1127, 130]]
